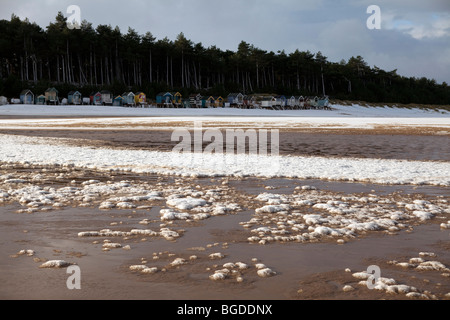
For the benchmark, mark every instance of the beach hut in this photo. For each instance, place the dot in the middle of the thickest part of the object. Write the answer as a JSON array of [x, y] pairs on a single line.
[[247, 101], [210, 102], [51, 96], [218, 102], [280, 102], [177, 98], [160, 98], [96, 99], [118, 101], [323, 103], [3, 100], [168, 99], [107, 97], [187, 103], [140, 99], [313, 102], [255, 101], [268, 102], [195, 100], [74, 98], [236, 99], [26, 97], [203, 101], [300, 102], [128, 99], [291, 102], [164, 99], [40, 99]]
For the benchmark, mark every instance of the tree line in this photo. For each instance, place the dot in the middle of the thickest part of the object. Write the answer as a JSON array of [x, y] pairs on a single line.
[[91, 59]]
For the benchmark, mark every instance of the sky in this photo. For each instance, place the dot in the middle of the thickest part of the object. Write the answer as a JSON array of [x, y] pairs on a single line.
[[413, 36]]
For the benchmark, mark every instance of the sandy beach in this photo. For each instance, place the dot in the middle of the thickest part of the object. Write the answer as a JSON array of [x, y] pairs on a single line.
[[223, 237]]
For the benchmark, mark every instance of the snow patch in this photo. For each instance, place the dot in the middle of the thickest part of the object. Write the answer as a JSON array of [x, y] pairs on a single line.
[[55, 264]]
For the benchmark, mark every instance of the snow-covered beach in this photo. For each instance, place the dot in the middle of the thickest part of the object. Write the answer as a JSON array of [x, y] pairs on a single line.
[[36, 150], [101, 117], [49, 152], [161, 225], [339, 111]]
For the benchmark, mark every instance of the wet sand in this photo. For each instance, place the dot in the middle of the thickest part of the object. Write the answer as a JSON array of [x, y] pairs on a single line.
[[317, 270], [303, 270], [383, 146]]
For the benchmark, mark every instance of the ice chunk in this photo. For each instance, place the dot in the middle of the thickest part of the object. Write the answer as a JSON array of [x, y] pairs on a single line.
[[216, 255], [138, 267], [266, 272], [55, 264], [28, 252], [273, 208], [242, 266], [149, 270], [112, 245], [217, 276], [125, 205], [145, 232], [186, 203], [348, 288], [89, 234], [178, 262], [323, 230], [361, 275], [169, 234], [431, 265], [169, 214]]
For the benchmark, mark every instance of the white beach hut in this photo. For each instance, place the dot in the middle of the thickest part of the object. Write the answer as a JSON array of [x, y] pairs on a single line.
[[3, 100]]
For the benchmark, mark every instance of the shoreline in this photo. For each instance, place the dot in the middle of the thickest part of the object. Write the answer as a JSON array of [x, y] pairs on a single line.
[[389, 144]]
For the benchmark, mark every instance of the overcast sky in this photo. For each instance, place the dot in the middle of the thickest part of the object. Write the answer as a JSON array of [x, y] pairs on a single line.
[[414, 36]]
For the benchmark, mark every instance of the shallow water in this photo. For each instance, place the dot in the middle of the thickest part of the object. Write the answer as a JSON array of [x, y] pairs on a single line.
[[379, 146], [317, 269], [255, 186], [105, 274]]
